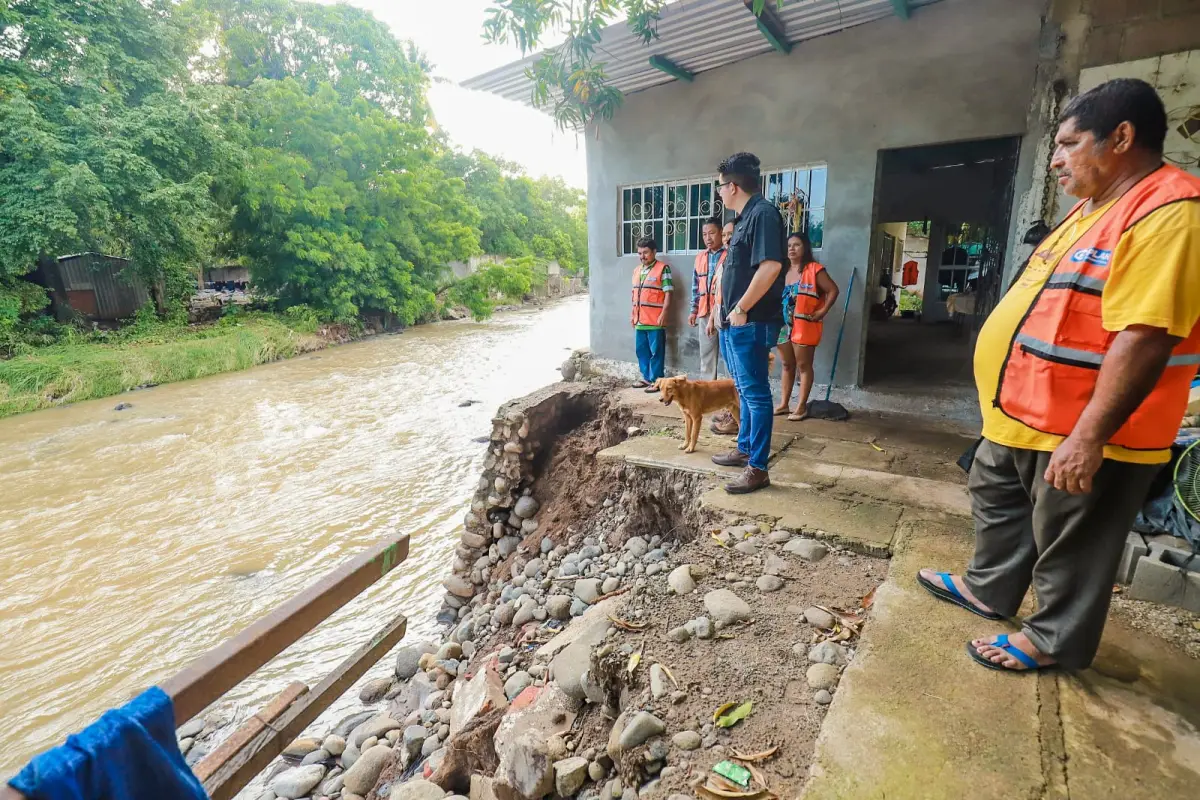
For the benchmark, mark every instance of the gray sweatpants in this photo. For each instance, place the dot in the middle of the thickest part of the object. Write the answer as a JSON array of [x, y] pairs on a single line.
[[710, 350], [1067, 545]]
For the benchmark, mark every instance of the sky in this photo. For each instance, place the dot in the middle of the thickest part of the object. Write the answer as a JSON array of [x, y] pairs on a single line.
[[450, 32]]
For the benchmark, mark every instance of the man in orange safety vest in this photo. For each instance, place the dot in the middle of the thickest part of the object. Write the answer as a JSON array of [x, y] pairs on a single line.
[[1083, 372]]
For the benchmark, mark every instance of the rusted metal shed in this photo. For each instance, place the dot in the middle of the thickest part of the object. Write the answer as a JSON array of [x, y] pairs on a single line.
[[100, 287]]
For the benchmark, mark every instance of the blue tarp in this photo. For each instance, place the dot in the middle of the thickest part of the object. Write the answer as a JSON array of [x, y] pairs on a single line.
[[130, 753]]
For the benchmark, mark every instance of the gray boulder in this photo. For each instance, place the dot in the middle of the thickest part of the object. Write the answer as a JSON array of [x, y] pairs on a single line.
[[641, 727], [361, 778], [408, 659], [726, 608], [297, 782], [416, 790]]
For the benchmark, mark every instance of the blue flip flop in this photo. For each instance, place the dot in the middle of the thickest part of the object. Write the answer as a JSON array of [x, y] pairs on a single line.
[[951, 595], [1001, 641]]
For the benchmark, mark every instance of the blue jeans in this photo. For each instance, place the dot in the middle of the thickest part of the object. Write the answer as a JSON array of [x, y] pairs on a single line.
[[651, 353], [747, 354]]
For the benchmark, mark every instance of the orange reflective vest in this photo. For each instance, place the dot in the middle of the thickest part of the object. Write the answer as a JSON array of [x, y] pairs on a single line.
[[707, 288], [1055, 357], [808, 298], [648, 295]]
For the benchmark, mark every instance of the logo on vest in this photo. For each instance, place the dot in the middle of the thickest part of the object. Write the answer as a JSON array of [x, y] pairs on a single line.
[[1092, 255]]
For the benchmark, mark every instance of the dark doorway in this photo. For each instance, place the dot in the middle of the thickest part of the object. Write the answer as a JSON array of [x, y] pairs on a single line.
[[941, 225]]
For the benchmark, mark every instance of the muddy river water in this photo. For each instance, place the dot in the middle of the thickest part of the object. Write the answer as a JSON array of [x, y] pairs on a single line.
[[133, 541]]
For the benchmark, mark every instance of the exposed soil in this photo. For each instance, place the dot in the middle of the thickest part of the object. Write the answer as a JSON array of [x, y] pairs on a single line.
[[754, 661]]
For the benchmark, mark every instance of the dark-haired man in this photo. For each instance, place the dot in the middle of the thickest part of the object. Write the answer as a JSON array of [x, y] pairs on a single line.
[[751, 312], [651, 304], [704, 297], [1083, 372]]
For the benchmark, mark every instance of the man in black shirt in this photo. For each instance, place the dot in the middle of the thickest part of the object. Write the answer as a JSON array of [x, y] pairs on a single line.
[[751, 313]]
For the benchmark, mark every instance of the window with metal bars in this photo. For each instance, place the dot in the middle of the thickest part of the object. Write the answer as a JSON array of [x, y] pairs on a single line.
[[673, 212], [799, 194]]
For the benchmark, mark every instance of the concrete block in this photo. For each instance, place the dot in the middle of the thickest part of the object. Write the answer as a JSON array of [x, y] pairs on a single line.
[[1169, 576], [1135, 548]]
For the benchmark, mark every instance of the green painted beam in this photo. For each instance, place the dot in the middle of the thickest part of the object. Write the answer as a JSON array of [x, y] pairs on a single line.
[[664, 64], [902, 9], [779, 44]]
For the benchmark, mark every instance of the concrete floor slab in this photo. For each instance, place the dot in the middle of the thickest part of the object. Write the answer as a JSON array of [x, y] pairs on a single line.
[[862, 525], [914, 718], [1131, 724], [853, 454], [661, 451]]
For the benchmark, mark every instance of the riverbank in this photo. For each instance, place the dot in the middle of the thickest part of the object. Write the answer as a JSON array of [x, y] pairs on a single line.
[[62, 374], [70, 373], [616, 627]]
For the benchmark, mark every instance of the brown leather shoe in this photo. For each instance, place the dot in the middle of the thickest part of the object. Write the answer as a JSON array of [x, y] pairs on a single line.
[[732, 458], [724, 424], [751, 480]]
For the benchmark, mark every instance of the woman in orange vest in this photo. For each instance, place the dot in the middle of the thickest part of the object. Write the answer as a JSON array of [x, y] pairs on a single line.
[[808, 294]]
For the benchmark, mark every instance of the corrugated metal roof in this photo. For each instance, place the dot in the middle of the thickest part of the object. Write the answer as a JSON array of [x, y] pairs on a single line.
[[118, 293], [698, 35]]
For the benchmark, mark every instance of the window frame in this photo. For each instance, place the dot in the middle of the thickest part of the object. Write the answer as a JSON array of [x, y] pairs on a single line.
[[660, 225], [808, 167]]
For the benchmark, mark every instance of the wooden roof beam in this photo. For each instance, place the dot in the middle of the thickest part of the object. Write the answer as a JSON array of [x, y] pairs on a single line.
[[664, 64], [770, 26]]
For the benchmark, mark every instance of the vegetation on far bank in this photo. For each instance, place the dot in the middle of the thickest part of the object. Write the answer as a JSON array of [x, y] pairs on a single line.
[[149, 352], [294, 138]]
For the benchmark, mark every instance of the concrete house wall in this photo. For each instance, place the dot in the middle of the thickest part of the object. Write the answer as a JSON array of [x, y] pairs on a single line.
[[957, 70]]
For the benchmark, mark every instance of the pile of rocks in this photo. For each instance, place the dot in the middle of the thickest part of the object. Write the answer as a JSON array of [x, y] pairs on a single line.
[[487, 663]]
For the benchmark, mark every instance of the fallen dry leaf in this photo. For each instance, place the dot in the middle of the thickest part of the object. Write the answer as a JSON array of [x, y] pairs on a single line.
[[634, 660], [670, 674], [713, 791], [763, 756], [868, 600], [626, 625]]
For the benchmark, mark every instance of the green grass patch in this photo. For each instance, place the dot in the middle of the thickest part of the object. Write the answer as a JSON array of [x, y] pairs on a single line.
[[164, 353]]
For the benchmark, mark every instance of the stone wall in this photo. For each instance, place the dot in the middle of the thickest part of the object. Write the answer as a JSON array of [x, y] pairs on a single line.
[[503, 508]]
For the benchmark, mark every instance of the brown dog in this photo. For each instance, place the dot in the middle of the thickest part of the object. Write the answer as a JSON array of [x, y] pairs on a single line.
[[697, 398]]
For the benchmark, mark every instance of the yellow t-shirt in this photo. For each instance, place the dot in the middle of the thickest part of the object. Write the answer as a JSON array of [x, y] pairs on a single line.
[[1154, 280]]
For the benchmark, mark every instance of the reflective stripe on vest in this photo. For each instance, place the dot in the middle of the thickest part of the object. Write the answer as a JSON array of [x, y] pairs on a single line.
[[808, 298], [1053, 363], [707, 288], [648, 296]]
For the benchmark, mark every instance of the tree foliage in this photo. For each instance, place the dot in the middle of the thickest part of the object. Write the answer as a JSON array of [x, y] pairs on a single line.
[[294, 137], [521, 216], [98, 148], [567, 79]]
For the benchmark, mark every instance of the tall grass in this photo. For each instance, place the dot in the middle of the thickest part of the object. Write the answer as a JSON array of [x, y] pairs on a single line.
[[62, 374]]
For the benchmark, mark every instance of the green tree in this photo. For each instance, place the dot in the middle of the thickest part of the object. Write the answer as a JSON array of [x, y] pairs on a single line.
[[520, 216], [100, 146], [315, 45], [342, 205]]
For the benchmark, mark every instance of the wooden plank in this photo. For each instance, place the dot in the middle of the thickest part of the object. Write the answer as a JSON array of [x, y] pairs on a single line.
[[249, 729], [225, 666], [258, 753], [664, 64], [771, 26]]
